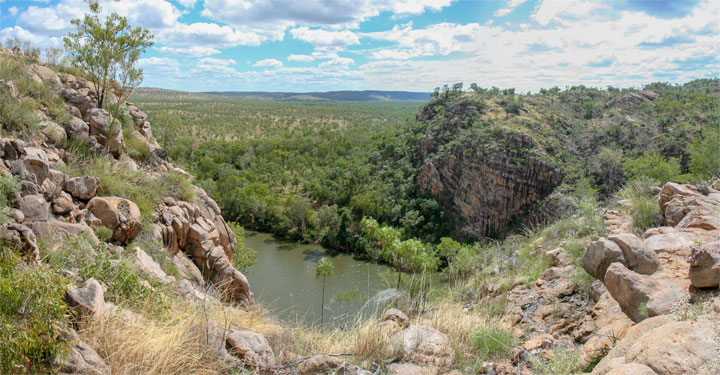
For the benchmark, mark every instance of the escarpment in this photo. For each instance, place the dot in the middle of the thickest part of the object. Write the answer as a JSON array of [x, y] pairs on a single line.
[[488, 176]]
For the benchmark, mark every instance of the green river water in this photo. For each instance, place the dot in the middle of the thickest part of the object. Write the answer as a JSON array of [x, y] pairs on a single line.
[[284, 281]]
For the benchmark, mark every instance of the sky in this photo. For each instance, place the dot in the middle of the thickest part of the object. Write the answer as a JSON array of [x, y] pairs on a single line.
[[414, 45]]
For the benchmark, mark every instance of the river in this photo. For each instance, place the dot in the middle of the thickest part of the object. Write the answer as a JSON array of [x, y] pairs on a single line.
[[284, 281]]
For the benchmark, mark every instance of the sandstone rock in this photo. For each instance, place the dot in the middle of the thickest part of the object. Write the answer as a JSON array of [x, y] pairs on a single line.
[[82, 359], [11, 149], [542, 341], [600, 255], [77, 128], [608, 324], [148, 266], [82, 187], [62, 204], [100, 121], [87, 299], [409, 369], [34, 207], [350, 369], [218, 269], [559, 256], [119, 215], [78, 100], [705, 265], [37, 163], [597, 289], [684, 207], [669, 241], [397, 316], [319, 364], [422, 344], [639, 257], [53, 131], [186, 267], [641, 296], [43, 74], [251, 347], [58, 230], [632, 369], [22, 238]]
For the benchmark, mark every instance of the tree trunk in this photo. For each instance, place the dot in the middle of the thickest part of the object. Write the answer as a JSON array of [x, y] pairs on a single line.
[[322, 305], [399, 276]]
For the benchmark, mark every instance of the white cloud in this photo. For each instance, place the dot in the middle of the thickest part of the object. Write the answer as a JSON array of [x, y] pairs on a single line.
[[13, 11], [438, 39], [214, 61], [555, 10], [300, 58], [187, 3], [337, 63], [512, 4], [269, 63], [324, 38], [206, 34], [193, 51]]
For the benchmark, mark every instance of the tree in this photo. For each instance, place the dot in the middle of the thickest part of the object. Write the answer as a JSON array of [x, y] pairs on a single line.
[[705, 154], [167, 123], [108, 51], [324, 269]]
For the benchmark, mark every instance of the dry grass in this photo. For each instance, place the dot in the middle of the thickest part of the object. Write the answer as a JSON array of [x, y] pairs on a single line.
[[455, 322], [141, 346]]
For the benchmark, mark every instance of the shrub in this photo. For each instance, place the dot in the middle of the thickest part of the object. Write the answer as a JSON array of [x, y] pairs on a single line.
[[564, 362], [9, 190], [653, 166], [243, 257], [704, 155], [103, 233], [492, 341], [135, 146], [32, 315], [643, 206]]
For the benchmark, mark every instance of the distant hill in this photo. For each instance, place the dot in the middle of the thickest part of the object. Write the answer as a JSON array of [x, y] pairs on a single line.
[[345, 96]]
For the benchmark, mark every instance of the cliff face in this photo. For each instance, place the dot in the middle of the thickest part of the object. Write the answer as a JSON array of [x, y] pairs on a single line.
[[486, 176]]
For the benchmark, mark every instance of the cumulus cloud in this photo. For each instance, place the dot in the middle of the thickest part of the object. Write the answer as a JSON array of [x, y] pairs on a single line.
[[324, 38], [556, 10], [206, 34], [269, 63], [300, 58], [337, 63], [438, 39], [512, 4], [193, 51]]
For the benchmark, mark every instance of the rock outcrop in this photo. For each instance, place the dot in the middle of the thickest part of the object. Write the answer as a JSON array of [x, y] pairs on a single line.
[[198, 230], [705, 265], [120, 215]]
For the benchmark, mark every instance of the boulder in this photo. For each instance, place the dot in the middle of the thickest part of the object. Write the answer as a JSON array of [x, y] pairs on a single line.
[[63, 204], [409, 369], [422, 344], [397, 316], [22, 238], [600, 255], [78, 100], [684, 207], [100, 128], [44, 74], [150, 267], [641, 296], [81, 360], [705, 265], [251, 347], [58, 230], [670, 240], [218, 269], [88, 299], [667, 347], [632, 369], [77, 128], [120, 215], [319, 364], [82, 187], [53, 131], [37, 163], [639, 257], [34, 207]]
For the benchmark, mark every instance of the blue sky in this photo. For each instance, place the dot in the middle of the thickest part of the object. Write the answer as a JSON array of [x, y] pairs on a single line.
[[321, 45]]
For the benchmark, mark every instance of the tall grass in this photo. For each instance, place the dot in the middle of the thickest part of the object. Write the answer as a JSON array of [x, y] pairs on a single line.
[[642, 204]]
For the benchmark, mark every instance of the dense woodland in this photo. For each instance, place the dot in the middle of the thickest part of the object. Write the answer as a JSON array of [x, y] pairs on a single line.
[[312, 170]]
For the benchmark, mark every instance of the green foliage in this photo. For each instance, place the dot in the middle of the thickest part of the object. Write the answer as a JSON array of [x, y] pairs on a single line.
[[103, 233], [643, 205], [324, 268], [492, 342], [243, 257], [563, 362], [108, 51], [653, 166], [32, 315], [9, 191], [705, 154], [135, 146]]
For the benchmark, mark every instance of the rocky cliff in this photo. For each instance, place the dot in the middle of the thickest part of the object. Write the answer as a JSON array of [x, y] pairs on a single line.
[[487, 174]]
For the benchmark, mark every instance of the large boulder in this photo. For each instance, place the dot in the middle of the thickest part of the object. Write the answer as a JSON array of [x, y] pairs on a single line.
[[77, 128], [87, 299], [42, 74], [59, 230], [422, 344], [34, 207], [82, 187], [685, 207], [705, 265], [641, 296], [638, 256], [105, 130], [667, 240], [251, 347], [78, 100], [667, 347], [81, 360], [600, 255], [148, 266], [37, 163], [120, 215]]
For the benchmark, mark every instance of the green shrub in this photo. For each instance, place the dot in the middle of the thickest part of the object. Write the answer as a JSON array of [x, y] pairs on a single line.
[[643, 206], [653, 166], [492, 341], [33, 315], [243, 257], [563, 362], [574, 248], [135, 146], [9, 189], [103, 233], [705, 155]]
